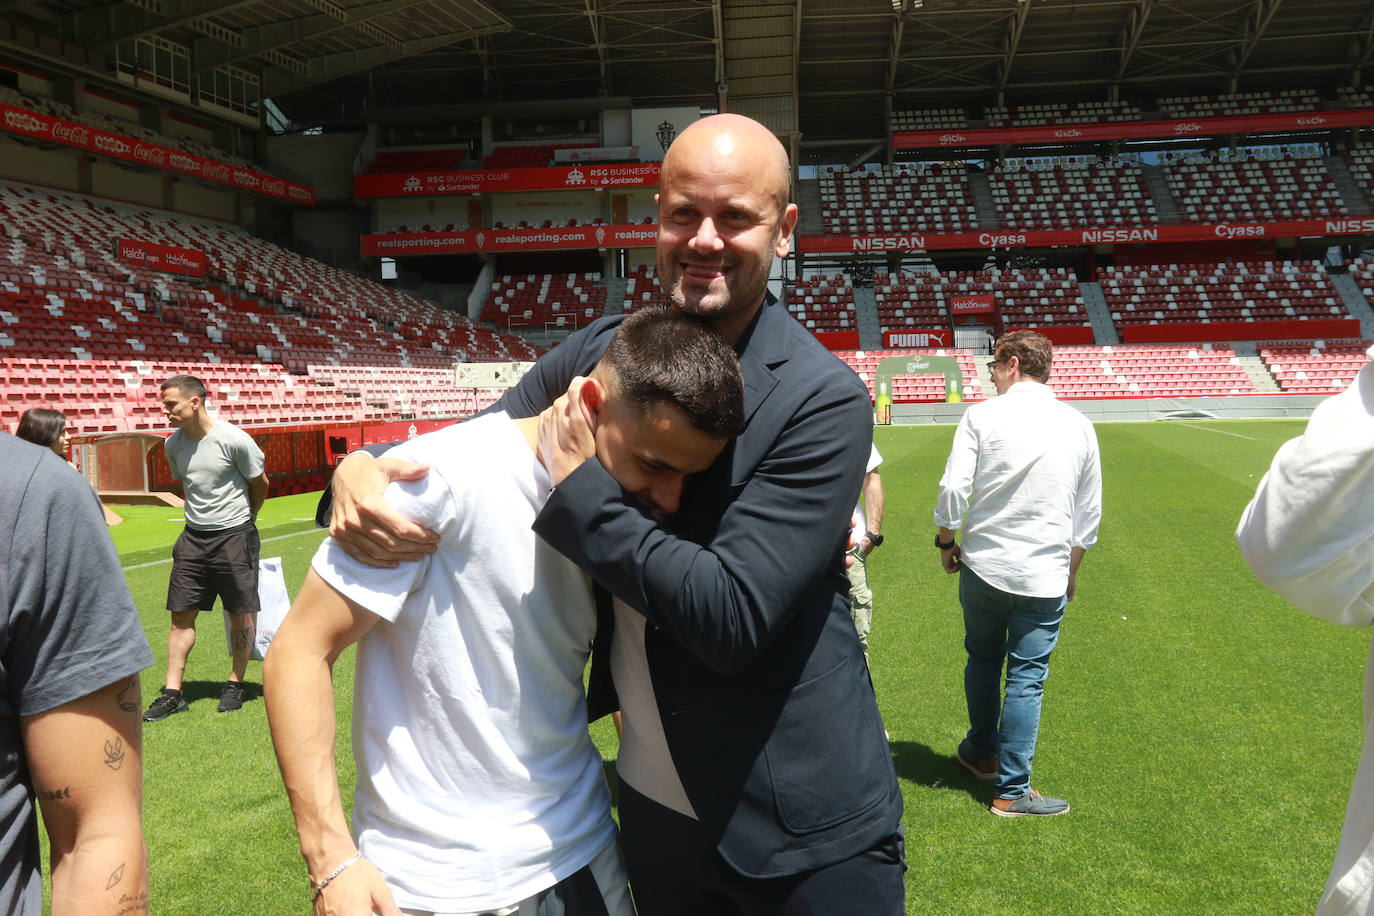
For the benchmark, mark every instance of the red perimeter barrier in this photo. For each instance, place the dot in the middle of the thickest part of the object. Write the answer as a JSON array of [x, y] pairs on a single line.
[[1063, 335], [838, 340]]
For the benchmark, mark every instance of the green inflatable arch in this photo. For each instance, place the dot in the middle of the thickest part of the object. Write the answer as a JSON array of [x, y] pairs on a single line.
[[915, 364]]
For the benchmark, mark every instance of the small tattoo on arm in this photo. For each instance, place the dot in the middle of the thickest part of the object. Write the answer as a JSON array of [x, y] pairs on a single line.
[[55, 795], [128, 697], [135, 903], [114, 753], [116, 876]]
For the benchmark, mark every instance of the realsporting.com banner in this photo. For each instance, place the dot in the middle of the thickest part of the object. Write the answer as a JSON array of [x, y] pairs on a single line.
[[574, 177], [117, 146], [1098, 235], [955, 138], [188, 262], [553, 239]]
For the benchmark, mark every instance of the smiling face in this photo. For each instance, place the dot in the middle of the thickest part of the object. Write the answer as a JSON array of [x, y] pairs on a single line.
[[650, 455], [722, 217]]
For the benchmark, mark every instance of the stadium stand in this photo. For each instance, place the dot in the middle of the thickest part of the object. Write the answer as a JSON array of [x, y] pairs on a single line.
[[1314, 366], [1240, 103], [898, 198], [1024, 297], [930, 119], [642, 290], [1073, 193], [545, 300], [912, 389], [1253, 189], [529, 155], [823, 303], [1085, 112], [1221, 292], [1148, 371], [430, 159]]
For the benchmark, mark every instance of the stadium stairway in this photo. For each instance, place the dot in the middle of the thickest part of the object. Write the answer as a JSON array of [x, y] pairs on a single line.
[[1099, 314], [984, 205], [1354, 301], [615, 295], [810, 214], [866, 318], [1349, 188], [1165, 208], [1247, 355]]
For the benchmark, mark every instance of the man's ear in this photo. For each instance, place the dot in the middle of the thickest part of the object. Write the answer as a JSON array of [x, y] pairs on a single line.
[[592, 396]]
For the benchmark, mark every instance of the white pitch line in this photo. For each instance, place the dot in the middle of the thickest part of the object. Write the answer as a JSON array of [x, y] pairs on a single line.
[[1222, 431], [276, 537]]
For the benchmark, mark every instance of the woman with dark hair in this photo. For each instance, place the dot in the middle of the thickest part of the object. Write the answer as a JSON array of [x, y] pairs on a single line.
[[45, 427]]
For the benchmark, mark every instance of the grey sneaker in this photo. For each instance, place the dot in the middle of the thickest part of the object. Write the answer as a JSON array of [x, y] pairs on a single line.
[[168, 702], [231, 696], [1032, 804]]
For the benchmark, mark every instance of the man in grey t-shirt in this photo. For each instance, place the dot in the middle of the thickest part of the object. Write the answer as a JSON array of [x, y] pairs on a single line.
[[221, 472], [71, 649]]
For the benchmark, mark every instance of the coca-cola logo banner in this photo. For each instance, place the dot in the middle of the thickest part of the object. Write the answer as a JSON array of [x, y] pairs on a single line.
[[117, 146], [552, 239], [185, 261]]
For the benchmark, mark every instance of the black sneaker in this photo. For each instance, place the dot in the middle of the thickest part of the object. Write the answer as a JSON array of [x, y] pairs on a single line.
[[231, 697], [169, 702]]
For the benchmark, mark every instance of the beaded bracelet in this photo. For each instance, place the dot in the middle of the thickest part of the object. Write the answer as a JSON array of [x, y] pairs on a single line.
[[319, 888]]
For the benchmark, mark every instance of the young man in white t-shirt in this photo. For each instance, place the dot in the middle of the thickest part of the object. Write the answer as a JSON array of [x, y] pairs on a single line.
[[479, 790]]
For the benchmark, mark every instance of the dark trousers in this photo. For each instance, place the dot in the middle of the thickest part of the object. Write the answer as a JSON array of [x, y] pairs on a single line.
[[675, 870]]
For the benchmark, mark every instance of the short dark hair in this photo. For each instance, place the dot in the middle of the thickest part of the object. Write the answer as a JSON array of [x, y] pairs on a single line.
[[187, 384], [1033, 352], [41, 426], [660, 356]]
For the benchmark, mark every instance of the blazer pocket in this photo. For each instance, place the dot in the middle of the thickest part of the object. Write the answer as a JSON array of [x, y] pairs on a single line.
[[827, 754]]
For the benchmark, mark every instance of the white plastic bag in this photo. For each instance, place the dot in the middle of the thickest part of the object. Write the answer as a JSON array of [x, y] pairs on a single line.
[[273, 603]]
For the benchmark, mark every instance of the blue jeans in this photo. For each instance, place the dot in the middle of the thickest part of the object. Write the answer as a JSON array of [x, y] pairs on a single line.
[[1022, 631]]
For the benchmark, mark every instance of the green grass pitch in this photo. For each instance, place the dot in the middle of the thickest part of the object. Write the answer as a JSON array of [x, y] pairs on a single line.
[[1205, 732]]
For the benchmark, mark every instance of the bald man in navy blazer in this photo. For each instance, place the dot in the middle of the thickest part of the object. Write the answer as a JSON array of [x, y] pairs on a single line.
[[755, 776]]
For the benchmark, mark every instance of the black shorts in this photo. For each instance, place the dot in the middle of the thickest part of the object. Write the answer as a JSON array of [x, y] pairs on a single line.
[[210, 564]]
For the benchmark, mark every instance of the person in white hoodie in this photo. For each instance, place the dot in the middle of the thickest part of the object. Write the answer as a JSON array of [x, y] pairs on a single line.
[[1308, 534]]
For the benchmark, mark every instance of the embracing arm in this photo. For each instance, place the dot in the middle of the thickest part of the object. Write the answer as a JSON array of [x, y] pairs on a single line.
[[86, 761], [1308, 533], [257, 493], [784, 529], [369, 529], [298, 689]]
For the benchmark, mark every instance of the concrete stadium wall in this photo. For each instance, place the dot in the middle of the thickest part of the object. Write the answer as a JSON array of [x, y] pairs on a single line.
[[324, 161], [1133, 410], [24, 163], [109, 180]]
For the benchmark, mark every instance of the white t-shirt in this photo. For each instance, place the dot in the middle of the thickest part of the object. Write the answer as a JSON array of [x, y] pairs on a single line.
[[478, 784]]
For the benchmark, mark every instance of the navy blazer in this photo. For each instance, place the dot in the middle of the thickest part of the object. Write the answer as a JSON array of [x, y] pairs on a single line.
[[760, 680]]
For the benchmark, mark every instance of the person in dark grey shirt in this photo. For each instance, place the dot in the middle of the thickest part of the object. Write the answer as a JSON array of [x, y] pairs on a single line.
[[71, 649]]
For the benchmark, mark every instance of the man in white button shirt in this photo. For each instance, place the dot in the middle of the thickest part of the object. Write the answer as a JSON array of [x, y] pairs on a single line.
[[1024, 481]]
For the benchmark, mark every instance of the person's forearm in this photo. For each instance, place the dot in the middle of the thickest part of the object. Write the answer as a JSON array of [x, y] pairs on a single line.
[[105, 872], [257, 494], [873, 503], [300, 712], [1075, 557]]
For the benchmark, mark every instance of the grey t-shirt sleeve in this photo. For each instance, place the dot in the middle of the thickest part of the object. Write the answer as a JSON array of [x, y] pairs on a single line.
[[73, 627], [247, 456]]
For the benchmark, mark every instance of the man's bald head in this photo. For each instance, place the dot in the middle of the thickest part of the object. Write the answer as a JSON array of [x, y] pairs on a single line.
[[733, 142]]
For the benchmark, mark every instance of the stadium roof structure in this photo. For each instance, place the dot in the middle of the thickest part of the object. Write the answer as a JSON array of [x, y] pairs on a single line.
[[829, 71]]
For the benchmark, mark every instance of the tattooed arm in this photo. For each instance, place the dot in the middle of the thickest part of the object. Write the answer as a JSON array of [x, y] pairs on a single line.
[[85, 758]]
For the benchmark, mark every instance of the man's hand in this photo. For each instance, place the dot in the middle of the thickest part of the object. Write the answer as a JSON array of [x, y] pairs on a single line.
[[362, 522], [949, 559], [866, 545], [359, 890], [1072, 578], [567, 432]]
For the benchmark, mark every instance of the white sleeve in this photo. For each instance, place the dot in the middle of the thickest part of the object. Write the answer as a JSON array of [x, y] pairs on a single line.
[[1309, 532], [956, 486], [1087, 506], [429, 502]]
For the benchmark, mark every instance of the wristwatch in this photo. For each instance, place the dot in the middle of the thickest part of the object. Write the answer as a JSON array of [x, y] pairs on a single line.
[[944, 546], [877, 539]]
